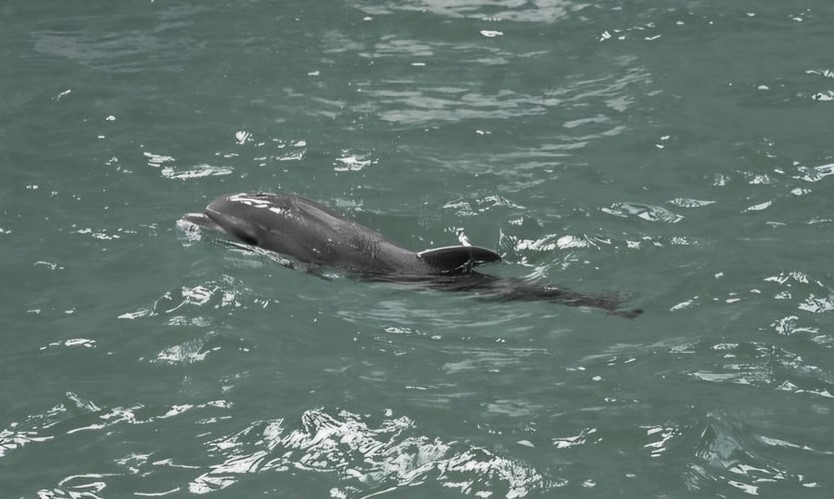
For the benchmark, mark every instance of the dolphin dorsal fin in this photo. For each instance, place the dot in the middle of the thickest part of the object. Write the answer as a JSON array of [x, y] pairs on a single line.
[[449, 258]]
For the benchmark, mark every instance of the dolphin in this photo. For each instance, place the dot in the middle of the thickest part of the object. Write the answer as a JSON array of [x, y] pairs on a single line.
[[312, 233]]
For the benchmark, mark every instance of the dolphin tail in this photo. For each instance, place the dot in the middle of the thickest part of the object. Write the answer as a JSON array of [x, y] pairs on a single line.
[[494, 288], [506, 289]]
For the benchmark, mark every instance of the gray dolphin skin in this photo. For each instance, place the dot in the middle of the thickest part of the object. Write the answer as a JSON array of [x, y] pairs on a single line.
[[312, 233]]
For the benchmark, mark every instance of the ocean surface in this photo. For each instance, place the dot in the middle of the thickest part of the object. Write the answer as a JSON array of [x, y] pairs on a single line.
[[680, 154]]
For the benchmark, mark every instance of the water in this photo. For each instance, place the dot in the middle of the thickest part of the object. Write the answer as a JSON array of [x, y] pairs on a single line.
[[681, 155]]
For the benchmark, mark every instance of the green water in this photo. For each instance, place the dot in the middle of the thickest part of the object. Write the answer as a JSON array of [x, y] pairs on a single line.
[[680, 153]]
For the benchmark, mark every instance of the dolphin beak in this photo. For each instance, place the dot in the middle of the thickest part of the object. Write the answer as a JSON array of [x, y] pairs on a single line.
[[202, 221]]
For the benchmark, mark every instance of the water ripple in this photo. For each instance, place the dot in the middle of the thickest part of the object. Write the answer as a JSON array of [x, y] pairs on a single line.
[[725, 456], [367, 457], [765, 366], [470, 207], [650, 213], [400, 102], [537, 11], [180, 304], [120, 50], [814, 296]]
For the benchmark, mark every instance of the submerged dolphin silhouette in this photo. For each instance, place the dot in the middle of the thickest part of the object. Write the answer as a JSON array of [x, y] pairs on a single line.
[[315, 235]]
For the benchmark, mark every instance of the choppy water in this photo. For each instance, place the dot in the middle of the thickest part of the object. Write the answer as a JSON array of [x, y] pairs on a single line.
[[679, 152]]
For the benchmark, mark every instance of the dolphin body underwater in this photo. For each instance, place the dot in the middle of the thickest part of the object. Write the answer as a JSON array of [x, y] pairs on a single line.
[[313, 234]]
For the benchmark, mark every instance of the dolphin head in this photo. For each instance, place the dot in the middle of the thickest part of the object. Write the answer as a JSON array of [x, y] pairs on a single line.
[[245, 216]]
